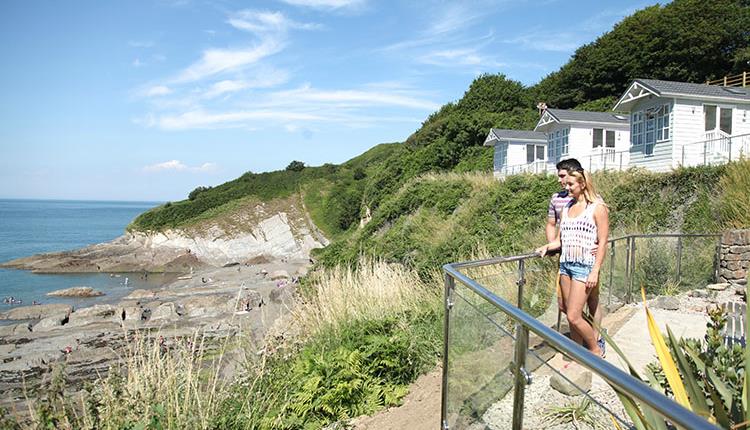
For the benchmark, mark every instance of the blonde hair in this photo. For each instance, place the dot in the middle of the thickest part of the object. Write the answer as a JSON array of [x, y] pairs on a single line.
[[589, 190]]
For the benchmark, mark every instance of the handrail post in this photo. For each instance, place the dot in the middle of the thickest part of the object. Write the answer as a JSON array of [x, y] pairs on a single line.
[[611, 272], [679, 259], [631, 278], [627, 270], [730, 149], [519, 357], [717, 263], [705, 152], [450, 285]]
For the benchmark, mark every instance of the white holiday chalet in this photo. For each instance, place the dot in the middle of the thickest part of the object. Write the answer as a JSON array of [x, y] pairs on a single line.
[[599, 140], [678, 123], [517, 151]]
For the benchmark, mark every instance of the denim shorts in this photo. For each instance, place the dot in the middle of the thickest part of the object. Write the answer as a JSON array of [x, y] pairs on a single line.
[[577, 271]]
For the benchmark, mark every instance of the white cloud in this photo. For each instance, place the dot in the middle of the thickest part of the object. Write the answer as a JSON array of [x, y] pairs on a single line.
[[548, 41], [137, 62], [456, 57], [179, 166], [361, 98], [270, 30], [203, 119], [264, 22], [215, 61], [167, 165], [157, 91], [326, 4], [267, 80]]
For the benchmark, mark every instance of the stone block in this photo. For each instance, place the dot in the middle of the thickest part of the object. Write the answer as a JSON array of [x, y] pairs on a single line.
[[734, 265], [8, 330], [165, 311], [578, 380], [739, 249], [50, 323], [699, 293], [718, 287], [666, 302]]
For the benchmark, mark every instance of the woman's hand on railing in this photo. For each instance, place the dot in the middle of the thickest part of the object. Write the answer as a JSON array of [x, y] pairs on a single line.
[[542, 250]]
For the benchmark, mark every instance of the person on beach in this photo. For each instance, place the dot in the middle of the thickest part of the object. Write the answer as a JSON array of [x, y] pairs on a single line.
[[584, 221], [554, 213]]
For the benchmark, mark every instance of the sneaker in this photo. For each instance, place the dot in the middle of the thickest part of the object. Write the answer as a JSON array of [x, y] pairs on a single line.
[[602, 345]]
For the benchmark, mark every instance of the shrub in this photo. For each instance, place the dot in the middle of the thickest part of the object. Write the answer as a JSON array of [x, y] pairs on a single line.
[[295, 166]]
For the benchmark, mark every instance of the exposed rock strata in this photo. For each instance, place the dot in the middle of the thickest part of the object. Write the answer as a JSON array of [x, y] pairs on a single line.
[[273, 238]]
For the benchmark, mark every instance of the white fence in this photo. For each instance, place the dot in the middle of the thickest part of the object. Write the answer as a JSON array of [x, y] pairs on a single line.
[[717, 148]]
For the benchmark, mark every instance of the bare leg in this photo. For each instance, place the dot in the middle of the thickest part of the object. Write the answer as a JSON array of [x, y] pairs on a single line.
[[565, 290], [576, 300], [595, 310]]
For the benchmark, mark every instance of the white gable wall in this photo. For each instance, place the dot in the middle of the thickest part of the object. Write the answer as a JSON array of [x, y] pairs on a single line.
[[688, 129], [581, 146], [663, 158]]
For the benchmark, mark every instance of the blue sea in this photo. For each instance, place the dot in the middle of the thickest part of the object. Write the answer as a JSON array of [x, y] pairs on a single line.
[[30, 227]]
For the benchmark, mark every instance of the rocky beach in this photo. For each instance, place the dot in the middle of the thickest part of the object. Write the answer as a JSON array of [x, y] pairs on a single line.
[[225, 285]]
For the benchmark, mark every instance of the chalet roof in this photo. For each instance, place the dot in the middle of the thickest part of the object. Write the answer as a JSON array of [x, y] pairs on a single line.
[[563, 115], [518, 135], [644, 87]]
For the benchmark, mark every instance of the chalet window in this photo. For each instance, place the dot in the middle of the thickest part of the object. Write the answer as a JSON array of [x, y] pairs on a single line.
[[636, 128], [662, 123], [721, 115], [501, 153], [598, 137], [604, 137], [557, 142], [709, 112], [725, 120], [649, 136], [610, 141], [534, 153]]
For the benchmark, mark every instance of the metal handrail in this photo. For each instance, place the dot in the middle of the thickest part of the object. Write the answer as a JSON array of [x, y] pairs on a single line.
[[525, 323]]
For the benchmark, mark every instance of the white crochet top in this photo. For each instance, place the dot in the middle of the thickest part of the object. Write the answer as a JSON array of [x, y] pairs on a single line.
[[578, 236]]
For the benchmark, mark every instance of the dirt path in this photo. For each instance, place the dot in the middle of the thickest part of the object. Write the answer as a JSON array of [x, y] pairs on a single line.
[[420, 410]]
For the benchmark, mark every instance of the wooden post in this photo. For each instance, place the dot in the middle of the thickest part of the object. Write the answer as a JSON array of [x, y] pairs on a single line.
[[744, 79]]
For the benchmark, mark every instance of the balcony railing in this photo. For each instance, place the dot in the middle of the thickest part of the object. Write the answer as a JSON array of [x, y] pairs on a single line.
[[717, 148], [499, 348]]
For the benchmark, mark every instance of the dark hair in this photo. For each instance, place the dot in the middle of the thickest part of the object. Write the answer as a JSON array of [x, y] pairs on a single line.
[[571, 165]]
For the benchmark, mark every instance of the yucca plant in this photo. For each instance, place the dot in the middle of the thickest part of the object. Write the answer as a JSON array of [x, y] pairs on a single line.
[[692, 382]]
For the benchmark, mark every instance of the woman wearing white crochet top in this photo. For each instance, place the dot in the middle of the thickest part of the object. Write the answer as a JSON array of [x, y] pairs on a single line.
[[583, 226]]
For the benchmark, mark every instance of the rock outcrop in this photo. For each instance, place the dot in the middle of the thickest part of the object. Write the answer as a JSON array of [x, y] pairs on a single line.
[[254, 231], [76, 292]]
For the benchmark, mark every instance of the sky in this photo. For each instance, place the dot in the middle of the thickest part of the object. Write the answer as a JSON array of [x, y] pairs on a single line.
[[146, 100]]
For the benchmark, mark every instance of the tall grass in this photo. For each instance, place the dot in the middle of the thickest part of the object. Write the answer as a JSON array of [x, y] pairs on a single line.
[[735, 203], [370, 290], [165, 384]]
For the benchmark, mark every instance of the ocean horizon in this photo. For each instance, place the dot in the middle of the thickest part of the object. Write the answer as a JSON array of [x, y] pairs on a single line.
[[34, 226]]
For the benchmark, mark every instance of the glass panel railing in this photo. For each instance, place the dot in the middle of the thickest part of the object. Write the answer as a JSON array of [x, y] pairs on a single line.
[[480, 352], [564, 394], [672, 265]]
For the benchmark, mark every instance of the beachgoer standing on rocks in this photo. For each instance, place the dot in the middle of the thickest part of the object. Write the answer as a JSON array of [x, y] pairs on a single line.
[[584, 222]]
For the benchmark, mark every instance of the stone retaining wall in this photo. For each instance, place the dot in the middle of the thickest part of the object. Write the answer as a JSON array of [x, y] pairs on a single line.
[[735, 255]]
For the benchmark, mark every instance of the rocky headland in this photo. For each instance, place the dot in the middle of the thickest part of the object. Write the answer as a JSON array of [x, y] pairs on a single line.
[[229, 281]]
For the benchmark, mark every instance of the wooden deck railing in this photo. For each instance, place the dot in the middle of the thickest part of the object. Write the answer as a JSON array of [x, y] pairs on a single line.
[[741, 80]]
